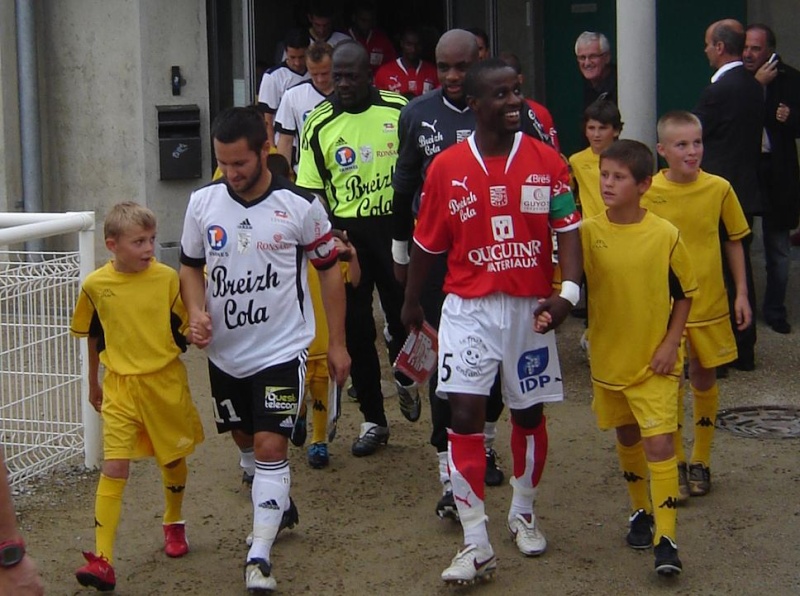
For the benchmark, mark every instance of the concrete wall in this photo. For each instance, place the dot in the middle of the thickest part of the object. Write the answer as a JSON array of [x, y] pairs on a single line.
[[106, 65], [10, 166], [779, 15]]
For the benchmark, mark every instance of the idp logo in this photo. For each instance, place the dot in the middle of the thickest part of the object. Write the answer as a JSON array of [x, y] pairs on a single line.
[[217, 237], [530, 367], [345, 156]]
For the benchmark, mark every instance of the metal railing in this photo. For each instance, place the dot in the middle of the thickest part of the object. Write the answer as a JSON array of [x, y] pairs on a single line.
[[44, 417]]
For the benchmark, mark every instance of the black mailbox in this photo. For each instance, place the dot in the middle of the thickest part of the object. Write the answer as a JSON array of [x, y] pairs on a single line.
[[179, 148]]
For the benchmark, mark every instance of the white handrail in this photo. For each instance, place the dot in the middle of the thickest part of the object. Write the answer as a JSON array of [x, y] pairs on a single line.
[[18, 227]]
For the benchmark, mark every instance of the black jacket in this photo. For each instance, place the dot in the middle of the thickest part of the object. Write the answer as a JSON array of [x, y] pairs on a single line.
[[783, 200], [732, 113]]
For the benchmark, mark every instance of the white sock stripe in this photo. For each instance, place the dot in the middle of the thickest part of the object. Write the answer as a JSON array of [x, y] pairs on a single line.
[[272, 466]]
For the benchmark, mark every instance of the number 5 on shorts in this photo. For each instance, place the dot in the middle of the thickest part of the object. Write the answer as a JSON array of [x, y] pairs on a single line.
[[446, 370]]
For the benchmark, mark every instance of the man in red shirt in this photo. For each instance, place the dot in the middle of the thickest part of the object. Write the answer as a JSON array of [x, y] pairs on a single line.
[[409, 74], [378, 45], [490, 203]]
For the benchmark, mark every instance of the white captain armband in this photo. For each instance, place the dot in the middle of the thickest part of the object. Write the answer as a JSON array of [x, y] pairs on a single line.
[[400, 252], [570, 291]]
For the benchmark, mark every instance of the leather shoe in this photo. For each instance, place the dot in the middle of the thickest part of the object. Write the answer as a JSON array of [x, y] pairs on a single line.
[[743, 364], [780, 326]]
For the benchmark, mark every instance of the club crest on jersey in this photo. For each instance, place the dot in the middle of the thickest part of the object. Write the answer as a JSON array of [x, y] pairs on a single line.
[[217, 237], [498, 196], [462, 135], [345, 157], [530, 368], [502, 227], [535, 199], [244, 240], [366, 153]]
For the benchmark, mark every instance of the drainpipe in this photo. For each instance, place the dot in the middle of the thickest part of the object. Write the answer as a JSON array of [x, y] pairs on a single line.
[[30, 133]]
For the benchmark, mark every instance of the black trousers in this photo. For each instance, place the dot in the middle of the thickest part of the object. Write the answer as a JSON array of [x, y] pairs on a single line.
[[745, 339], [372, 238], [432, 299]]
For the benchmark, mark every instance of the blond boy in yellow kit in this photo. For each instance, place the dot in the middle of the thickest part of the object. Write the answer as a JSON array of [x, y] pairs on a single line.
[[699, 204]]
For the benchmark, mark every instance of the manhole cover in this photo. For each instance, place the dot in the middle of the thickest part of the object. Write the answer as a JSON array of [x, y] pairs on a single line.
[[768, 422]]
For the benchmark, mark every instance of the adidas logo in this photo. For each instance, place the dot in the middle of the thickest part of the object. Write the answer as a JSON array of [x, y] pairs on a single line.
[[245, 225], [631, 477], [286, 423], [340, 141], [271, 504]]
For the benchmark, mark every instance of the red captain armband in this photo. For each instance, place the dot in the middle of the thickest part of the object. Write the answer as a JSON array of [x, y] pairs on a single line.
[[566, 223]]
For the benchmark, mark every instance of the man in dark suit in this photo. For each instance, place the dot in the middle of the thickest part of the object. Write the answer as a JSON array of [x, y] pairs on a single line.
[[779, 173], [731, 109]]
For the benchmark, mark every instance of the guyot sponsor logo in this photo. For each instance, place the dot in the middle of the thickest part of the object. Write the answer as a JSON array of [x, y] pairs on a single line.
[[530, 368]]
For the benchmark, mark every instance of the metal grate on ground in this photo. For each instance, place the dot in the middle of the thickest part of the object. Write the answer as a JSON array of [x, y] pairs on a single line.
[[763, 422]]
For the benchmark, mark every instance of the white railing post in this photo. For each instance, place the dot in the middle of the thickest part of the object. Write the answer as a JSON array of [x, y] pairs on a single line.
[[92, 424]]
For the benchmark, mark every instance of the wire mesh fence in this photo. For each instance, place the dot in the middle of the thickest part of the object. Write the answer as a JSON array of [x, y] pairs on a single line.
[[40, 369], [43, 416]]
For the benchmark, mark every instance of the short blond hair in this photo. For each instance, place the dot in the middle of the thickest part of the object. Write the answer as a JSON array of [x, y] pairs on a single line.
[[676, 118], [123, 216]]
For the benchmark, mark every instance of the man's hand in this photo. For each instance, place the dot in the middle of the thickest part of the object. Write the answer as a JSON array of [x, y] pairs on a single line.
[[782, 113], [767, 73], [550, 313], [665, 357], [400, 273], [338, 364], [21, 580], [412, 315], [200, 328]]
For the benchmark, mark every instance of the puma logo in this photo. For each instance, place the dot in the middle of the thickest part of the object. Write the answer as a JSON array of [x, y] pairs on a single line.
[[429, 125], [460, 183], [464, 500]]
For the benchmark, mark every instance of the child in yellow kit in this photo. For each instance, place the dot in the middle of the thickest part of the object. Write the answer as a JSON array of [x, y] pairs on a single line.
[[317, 375], [602, 125], [698, 204], [131, 312], [641, 284]]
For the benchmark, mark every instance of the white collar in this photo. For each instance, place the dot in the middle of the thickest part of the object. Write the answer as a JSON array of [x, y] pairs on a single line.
[[725, 68]]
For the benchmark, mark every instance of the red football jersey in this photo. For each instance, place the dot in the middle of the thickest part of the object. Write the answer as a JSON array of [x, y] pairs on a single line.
[[378, 46], [493, 216], [546, 118], [395, 76]]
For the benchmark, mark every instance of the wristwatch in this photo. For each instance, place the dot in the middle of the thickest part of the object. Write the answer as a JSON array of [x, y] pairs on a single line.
[[11, 553]]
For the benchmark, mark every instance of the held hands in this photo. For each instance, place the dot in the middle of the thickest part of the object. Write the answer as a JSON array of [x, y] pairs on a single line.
[[199, 329], [665, 357], [344, 248], [550, 313]]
